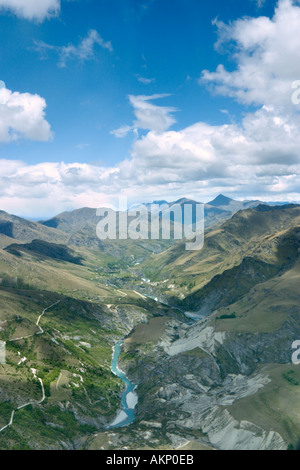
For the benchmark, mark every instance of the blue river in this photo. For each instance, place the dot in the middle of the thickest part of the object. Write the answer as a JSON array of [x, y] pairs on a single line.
[[129, 397]]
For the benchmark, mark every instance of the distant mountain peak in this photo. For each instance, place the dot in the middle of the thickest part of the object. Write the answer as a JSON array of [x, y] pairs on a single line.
[[160, 202], [220, 200], [183, 200]]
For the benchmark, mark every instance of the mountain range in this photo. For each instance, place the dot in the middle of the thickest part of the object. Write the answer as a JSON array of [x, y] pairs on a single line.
[[207, 335]]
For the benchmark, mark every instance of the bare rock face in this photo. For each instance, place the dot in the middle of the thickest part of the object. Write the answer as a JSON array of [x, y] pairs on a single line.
[[190, 379], [226, 433]]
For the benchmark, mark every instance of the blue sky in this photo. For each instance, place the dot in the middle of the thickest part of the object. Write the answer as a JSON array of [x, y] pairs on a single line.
[[123, 103], [169, 41]]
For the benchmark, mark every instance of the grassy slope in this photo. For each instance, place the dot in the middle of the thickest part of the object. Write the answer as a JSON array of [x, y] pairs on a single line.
[[93, 311], [57, 350], [277, 405], [255, 314], [264, 310], [254, 233], [265, 307], [25, 230], [77, 339]]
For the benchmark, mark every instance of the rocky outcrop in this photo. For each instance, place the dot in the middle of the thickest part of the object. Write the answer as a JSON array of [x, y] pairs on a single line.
[[189, 380]]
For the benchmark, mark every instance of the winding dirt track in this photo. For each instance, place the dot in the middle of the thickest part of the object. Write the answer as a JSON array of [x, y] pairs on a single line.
[[40, 380]]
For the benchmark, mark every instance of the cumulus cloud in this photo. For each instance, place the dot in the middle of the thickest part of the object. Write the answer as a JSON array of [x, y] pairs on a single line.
[[22, 115], [198, 161], [267, 53], [255, 158], [258, 153], [31, 9], [192, 162], [84, 51], [48, 188]]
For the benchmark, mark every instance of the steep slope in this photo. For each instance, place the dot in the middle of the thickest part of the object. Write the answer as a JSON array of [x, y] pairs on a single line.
[[44, 249], [60, 318], [56, 378], [73, 221], [80, 229], [249, 237], [216, 211], [221, 201], [225, 203], [268, 257], [14, 227], [80, 226], [226, 381]]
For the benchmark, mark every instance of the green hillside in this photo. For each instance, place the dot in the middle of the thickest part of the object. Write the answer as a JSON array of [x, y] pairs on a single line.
[[65, 301], [255, 236], [61, 313]]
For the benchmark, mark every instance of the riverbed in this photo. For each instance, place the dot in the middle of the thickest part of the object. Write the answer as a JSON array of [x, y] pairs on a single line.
[[129, 397]]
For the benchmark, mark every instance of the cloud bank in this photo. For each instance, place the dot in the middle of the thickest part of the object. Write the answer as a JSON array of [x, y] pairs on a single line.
[[258, 157]]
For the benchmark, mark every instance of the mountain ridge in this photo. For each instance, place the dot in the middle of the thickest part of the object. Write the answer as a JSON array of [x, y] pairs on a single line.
[[196, 380]]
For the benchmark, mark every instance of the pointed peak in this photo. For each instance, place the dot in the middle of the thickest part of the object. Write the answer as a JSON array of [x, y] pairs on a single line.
[[220, 200]]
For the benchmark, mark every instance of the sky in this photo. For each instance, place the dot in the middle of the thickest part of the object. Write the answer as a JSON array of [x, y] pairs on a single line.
[[149, 99]]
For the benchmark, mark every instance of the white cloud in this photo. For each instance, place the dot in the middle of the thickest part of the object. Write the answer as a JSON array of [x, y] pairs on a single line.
[[144, 80], [122, 131], [267, 52], [264, 148], [32, 9], [45, 189], [257, 158], [22, 115], [148, 116], [48, 188], [82, 146], [84, 51]]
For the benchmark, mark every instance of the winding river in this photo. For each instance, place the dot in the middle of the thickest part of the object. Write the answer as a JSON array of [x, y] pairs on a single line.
[[129, 397]]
